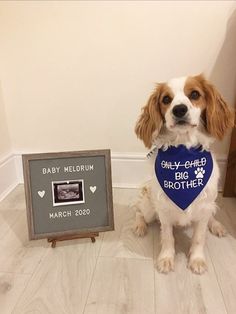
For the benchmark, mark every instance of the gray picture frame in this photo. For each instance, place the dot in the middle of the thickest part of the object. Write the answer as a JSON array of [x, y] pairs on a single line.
[[28, 159]]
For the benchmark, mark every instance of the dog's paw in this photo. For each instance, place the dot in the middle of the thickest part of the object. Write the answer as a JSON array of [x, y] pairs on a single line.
[[218, 229], [197, 265], [165, 264], [140, 228]]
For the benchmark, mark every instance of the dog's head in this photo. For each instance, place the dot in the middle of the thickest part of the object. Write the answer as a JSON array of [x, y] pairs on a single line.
[[181, 105]]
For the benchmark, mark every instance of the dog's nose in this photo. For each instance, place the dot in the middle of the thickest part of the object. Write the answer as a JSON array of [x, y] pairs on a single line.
[[179, 110]]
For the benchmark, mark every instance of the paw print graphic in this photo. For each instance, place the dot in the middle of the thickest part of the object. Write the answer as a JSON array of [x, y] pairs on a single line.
[[199, 173]]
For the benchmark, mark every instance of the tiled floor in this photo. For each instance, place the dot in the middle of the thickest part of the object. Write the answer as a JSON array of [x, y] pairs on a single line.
[[114, 275]]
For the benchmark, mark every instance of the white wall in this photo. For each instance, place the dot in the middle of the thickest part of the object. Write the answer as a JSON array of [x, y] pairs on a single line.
[[75, 74], [5, 142]]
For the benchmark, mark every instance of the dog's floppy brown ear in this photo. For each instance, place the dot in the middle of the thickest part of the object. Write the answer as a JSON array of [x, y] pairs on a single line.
[[150, 119], [218, 115]]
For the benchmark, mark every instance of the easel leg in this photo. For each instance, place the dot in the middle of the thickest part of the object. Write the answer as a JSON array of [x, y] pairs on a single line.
[[53, 242], [92, 236]]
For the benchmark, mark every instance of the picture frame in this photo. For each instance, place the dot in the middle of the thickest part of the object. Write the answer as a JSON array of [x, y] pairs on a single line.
[[68, 194]]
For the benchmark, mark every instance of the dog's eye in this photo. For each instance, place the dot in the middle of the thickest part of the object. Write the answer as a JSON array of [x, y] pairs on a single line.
[[194, 95], [166, 100]]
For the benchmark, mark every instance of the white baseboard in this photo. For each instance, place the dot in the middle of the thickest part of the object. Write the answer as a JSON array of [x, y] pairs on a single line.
[[129, 170], [8, 176]]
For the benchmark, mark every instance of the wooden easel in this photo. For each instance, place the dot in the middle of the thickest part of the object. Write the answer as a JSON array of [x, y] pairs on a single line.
[[73, 237]]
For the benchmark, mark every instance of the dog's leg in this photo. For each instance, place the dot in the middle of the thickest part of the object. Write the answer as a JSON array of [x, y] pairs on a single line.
[[140, 226], [143, 208], [165, 261], [197, 262], [216, 227]]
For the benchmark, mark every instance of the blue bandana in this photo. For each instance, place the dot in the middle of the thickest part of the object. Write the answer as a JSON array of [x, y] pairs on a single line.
[[183, 173]]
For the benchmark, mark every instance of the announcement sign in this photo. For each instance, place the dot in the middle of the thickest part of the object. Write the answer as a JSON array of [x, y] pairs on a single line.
[[68, 193]]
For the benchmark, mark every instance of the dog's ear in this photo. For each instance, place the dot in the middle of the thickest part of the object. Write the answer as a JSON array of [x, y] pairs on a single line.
[[218, 115], [150, 119]]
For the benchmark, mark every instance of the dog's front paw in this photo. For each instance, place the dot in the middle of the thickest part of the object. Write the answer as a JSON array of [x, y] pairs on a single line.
[[197, 265], [218, 229], [140, 228], [165, 264]]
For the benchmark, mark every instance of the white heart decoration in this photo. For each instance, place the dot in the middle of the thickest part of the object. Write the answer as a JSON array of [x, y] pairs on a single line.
[[41, 193], [93, 188]]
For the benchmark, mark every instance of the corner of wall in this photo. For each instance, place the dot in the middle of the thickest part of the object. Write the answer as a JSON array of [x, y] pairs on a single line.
[[8, 175]]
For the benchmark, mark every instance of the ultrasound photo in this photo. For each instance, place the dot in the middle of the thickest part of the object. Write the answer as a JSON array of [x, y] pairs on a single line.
[[68, 192]]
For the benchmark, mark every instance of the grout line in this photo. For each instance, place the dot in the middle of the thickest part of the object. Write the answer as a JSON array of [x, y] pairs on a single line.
[[213, 265], [15, 273], [92, 277], [129, 257], [11, 226], [29, 280], [149, 259]]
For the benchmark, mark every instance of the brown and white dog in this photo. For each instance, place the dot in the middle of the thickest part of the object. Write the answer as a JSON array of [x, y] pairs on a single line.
[[185, 111]]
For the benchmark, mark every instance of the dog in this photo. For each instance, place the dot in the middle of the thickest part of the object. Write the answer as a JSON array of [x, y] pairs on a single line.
[[182, 116]]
